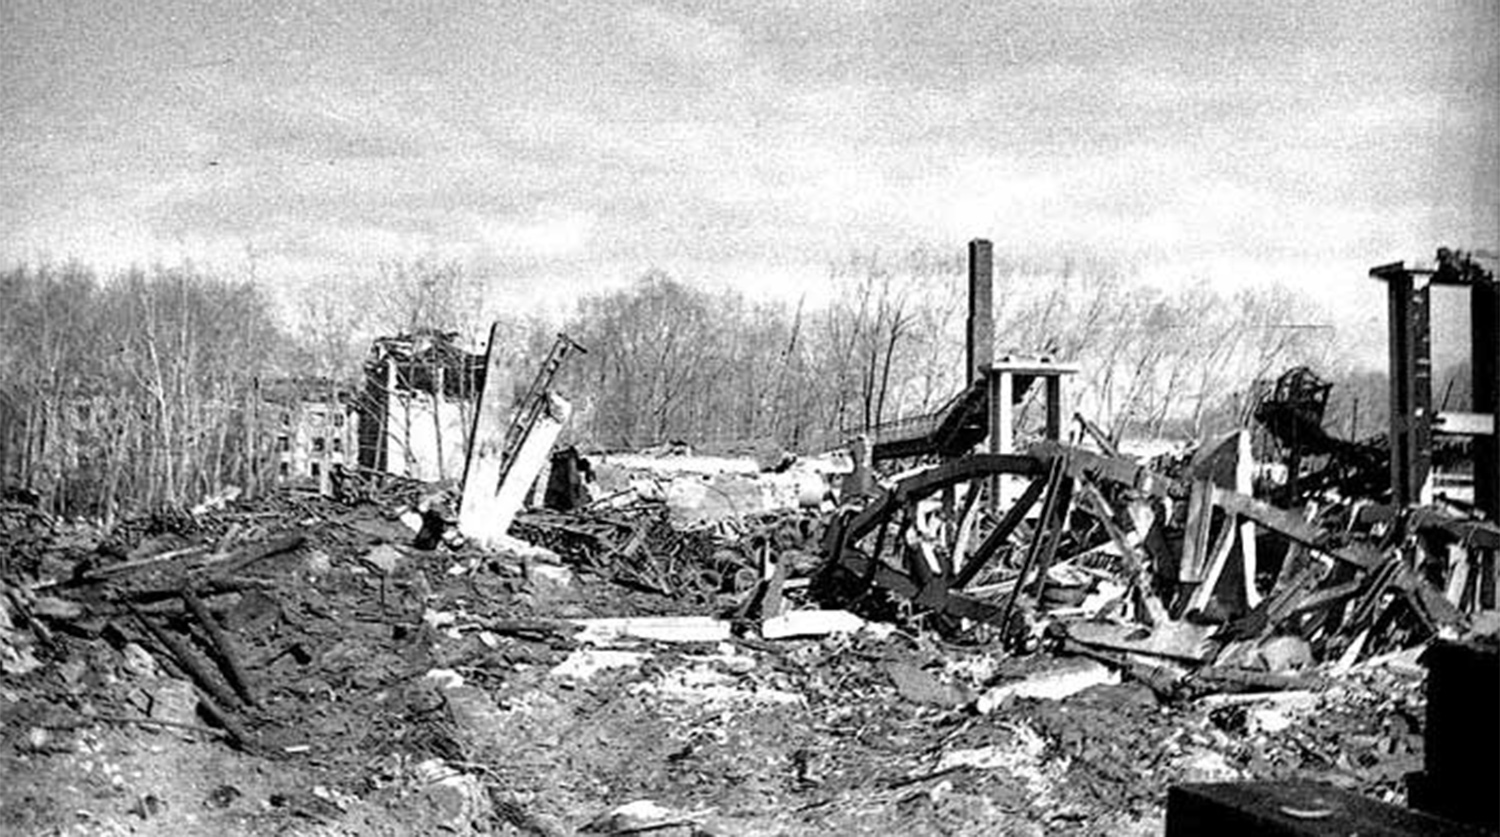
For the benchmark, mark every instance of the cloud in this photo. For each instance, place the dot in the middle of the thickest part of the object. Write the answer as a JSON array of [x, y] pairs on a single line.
[[549, 233], [692, 41]]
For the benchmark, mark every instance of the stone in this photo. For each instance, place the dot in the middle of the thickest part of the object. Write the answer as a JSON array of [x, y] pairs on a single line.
[[1207, 766], [641, 815], [1068, 677], [1281, 654], [318, 562], [546, 581], [174, 701], [137, 661], [384, 558], [584, 663], [919, 686]]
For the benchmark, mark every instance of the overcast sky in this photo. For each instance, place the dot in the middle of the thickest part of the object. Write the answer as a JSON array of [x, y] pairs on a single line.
[[556, 147]]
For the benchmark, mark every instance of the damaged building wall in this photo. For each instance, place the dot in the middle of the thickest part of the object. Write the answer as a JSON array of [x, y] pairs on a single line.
[[315, 430], [417, 407]]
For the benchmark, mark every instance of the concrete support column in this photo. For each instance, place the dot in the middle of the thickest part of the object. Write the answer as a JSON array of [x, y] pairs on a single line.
[[1411, 387], [1484, 312]]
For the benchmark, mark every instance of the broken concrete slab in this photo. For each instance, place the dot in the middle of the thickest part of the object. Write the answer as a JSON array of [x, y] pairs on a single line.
[[525, 551], [809, 623], [488, 509], [584, 663], [920, 686], [1200, 765], [604, 631], [546, 582], [1068, 676], [704, 683], [1173, 640], [384, 558], [1021, 754], [644, 816], [1267, 712]]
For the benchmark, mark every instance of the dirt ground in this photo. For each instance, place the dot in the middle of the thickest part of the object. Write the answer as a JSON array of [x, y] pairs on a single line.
[[437, 692]]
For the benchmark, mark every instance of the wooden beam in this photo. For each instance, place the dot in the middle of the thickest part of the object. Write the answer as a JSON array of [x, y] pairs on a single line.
[[1116, 469], [1196, 533], [1002, 531], [1218, 558], [1294, 527]]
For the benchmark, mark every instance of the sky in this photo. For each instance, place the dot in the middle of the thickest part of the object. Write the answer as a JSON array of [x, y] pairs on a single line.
[[559, 148]]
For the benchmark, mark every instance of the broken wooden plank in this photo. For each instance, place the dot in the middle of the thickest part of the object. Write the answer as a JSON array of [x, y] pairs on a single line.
[[884, 576], [1294, 527], [1196, 533], [186, 659], [937, 477], [1054, 537], [247, 556], [1226, 679], [1119, 470], [602, 631], [1055, 476], [1218, 558], [223, 645], [194, 551], [1135, 567], [1099, 436], [1458, 574], [1002, 531], [1174, 640]]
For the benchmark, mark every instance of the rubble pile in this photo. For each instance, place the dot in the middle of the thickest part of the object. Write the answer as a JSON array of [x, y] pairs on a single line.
[[292, 662]]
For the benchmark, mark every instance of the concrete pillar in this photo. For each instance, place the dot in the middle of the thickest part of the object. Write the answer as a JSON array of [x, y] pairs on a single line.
[[1411, 387], [1484, 314]]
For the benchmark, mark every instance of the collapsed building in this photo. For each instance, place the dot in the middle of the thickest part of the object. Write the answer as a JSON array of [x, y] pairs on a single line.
[[417, 407], [1008, 612]]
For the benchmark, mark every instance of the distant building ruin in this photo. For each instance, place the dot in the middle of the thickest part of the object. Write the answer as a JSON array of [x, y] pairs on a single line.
[[314, 425], [416, 411]]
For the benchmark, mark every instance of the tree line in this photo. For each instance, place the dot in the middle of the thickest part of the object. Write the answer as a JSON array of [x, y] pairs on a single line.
[[132, 392], [669, 361], [141, 389]]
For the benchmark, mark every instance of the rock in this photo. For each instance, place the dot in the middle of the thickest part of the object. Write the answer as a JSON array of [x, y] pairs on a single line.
[[138, 662], [1281, 654], [222, 796], [15, 659], [444, 678], [148, 806], [1068, 677], [546, 581], [641, 815], [919, 686], [1268, 719], [174, 701], [584, 663], [800, 564], [455, 800], [1207, 766], [55, 608], [318, 562], [384, 558]]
